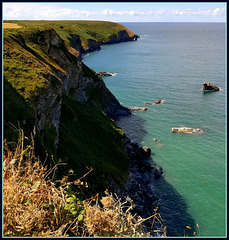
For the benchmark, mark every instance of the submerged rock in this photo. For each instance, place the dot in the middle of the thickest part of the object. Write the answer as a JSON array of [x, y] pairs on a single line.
[[210, 87]]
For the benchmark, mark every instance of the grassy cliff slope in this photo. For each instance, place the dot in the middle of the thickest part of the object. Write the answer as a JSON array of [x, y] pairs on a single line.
[[79, 35], [43, 83]]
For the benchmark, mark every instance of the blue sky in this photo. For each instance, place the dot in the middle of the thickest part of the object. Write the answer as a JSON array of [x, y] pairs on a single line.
[[117, 12]]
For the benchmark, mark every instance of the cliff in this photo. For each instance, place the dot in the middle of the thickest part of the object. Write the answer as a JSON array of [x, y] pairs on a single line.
[[50, 84], [83, 36]]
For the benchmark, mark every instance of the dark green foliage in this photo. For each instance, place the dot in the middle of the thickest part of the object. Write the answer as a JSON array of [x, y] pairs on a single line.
[[89, 138], [16, 112]]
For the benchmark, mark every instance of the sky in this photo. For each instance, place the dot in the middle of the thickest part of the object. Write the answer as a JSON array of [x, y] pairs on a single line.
[[117, 11]]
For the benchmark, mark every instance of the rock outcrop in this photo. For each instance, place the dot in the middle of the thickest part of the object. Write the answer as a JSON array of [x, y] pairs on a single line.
[[158, 101], [210, 87], [186, 130], [137, 109], [123, 36], [104, 74]]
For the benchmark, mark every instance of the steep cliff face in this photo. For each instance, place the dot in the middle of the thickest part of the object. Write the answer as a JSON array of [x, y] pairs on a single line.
[[79, 81], [123, 36], [95, 45], [60, 72]]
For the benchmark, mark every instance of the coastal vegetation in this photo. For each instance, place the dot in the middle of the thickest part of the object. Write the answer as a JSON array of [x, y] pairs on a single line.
[[82, 31], [35, 205]]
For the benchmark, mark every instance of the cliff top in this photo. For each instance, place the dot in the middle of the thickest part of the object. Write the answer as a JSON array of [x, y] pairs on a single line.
[[95, 30]]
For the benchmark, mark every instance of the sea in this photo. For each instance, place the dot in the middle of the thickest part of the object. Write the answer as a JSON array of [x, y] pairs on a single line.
[[170, 61]]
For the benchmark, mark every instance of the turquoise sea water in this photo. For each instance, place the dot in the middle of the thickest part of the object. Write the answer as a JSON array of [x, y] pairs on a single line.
[[171, 61]]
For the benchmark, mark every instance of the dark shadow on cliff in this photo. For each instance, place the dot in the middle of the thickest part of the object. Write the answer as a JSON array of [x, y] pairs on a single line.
[[172, 206]]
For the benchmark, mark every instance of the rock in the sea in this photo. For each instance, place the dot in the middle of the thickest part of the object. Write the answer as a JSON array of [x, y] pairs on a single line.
[[209, 87], [104, 74], [158, 101], [148, 103], [186, 130], [158, 171], [137, 109]]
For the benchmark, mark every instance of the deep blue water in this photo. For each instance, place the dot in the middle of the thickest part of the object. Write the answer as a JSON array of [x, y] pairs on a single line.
[[171, 61]]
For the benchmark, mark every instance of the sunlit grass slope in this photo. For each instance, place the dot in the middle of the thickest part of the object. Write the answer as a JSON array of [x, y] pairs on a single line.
[[95, 30]]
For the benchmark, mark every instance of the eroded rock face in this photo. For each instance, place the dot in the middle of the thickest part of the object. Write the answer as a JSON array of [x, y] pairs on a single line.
[[210, 87], [93, 45], [67, 74], [123, 36]]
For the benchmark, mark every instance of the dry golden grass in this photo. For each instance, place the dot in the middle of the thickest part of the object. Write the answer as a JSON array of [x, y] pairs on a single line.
[[110, 219], [34, 207], [11, 25]]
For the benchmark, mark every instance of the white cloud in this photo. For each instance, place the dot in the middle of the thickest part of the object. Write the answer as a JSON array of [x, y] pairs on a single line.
[[35, 11], [51, 11], [219, 12], [131, 13], [198, 12]]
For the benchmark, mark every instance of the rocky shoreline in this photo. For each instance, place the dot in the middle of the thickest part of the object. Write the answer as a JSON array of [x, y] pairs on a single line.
[[139, 186]]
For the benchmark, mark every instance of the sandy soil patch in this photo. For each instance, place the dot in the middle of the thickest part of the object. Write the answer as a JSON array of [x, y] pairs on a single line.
[[11, 25]]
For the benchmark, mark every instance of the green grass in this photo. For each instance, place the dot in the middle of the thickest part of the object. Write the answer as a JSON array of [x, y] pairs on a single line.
[[95, 30], [26, 67], [89, 138]]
